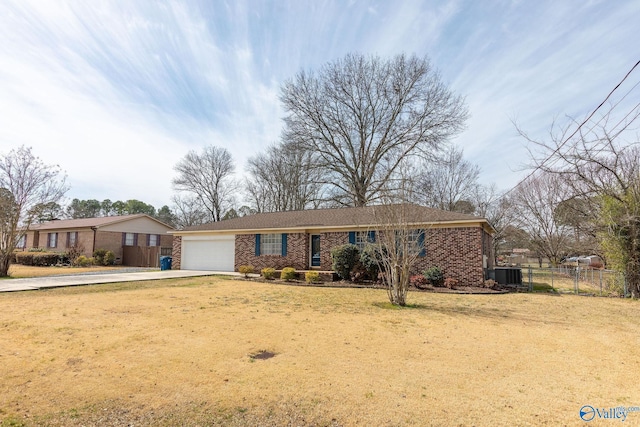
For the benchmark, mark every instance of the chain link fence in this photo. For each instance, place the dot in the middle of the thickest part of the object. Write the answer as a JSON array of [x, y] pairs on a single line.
[[576, 279]]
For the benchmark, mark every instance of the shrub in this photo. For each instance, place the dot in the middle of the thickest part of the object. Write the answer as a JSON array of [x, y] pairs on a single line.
[[45, 259], [24, 258], [246, 270], [358, 273], [419, 281], [490, 283], [268, 273], [38, 259], [450, 282], [435, 276], [99, 255], [288, 273], [109, 258], [73, 253], [312, 277], [344, 258], [370, 259], [104, 257], [83, 261]]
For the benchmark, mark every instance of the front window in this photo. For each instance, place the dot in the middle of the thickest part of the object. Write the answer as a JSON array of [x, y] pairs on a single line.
[[271, 244], [53, 240], [364, 237], [129, 239], [22, 242], [414, 240], [154, 240], [73, 239]]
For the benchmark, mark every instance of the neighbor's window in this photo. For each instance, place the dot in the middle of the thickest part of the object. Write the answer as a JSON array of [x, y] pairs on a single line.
[[72, 238], [271, 244], [154, 240], [129, 239], [52, 241]]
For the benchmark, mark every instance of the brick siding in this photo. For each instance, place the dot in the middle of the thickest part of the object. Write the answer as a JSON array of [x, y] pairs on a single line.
[[457, 251], [176, 254], [297, 253]]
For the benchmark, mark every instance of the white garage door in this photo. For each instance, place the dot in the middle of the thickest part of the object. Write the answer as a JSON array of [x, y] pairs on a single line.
[[208, 253]]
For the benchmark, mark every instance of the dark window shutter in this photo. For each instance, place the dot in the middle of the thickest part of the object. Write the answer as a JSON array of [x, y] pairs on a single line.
[[135, 239], [284, 244], [158, 240], [148, 239], [423, 250], [372, 237], [124, 238], [257, 245], [352, 237], [68, 239]]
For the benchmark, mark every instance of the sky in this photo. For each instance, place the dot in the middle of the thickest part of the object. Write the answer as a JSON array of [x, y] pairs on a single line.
[[117, 92]]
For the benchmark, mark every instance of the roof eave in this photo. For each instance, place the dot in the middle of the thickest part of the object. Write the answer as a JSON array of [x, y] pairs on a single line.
[[462, 222]]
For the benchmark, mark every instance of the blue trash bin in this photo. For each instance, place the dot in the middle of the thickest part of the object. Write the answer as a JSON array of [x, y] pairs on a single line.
[[165, 263]]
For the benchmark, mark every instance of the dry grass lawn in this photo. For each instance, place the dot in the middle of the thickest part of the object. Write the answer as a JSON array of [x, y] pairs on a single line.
[[18, 271], [179, 352]]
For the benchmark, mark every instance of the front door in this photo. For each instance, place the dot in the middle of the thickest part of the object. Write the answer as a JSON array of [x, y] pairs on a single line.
[[315, 250]]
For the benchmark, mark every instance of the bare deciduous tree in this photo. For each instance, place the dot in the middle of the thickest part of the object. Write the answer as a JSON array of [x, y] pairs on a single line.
[[600, 164], [399, 247], [26, 186], [449, 182], [188, 211], [208, 176], [499, 210], [283, 178], [363, 115], [537, 199]]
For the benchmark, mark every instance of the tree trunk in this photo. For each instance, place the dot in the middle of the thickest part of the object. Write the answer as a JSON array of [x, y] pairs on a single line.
[[5, 261], [632, 268]]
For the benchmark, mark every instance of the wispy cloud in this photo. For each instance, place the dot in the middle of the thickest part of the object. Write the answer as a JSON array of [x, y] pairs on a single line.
[[116, 92]]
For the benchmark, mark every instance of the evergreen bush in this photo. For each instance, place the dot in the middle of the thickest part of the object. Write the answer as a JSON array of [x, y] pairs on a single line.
[[344, 258]]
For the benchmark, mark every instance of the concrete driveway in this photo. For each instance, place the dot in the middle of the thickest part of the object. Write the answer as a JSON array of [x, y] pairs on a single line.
[[32, 284]]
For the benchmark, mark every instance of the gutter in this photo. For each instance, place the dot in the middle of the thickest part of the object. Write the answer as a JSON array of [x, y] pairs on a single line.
[[483, 223]]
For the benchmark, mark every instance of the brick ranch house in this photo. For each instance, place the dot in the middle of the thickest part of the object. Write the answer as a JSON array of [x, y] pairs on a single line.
[[136, 240], [459, 244]]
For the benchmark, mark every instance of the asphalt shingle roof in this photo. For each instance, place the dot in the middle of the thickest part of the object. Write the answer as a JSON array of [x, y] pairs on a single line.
[[341, 217], [84, 222]]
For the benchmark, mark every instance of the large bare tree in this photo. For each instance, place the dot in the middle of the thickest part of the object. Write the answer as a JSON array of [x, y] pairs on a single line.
[[209, 177], [537, 199], [449, 182], [27, 186], [283, 178], [363, 115]]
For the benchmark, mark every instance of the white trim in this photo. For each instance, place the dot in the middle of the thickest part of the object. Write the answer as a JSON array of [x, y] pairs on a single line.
[[468, 223]]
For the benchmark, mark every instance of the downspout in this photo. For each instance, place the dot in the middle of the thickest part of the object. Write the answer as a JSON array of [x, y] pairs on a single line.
[[93, 248]]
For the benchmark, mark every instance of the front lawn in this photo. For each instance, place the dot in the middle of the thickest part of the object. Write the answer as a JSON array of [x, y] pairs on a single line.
[[204, 351], [18, 271]]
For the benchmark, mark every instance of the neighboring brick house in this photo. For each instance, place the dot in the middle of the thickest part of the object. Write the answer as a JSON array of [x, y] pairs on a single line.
[[459, 244], [113, 233]]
